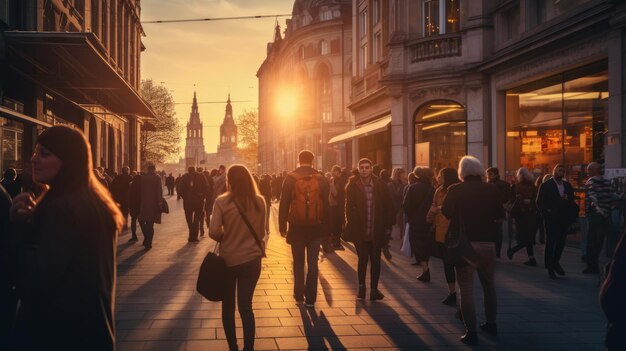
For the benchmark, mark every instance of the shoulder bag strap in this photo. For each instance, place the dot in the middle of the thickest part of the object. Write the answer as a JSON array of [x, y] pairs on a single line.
[[252, 231]]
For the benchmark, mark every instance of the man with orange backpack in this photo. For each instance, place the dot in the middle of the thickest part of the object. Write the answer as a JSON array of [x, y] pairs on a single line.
[[304, 205]]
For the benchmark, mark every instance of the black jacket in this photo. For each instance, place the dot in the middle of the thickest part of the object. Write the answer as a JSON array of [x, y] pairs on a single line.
[[299, 233], [194, 187], [553, 208], [417, 200], [356, 212], [66, 274], [477, 206], [119, 189]]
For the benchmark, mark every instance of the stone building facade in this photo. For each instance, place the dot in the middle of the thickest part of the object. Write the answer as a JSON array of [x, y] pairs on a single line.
[[74, 62], [194, 141], [513, 82], [304, 86]]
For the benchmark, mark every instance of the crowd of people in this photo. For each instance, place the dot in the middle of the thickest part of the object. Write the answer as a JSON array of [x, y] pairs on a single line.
[[59, 234]]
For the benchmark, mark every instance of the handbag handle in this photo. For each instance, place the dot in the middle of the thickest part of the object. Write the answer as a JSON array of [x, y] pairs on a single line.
[[252, 231]]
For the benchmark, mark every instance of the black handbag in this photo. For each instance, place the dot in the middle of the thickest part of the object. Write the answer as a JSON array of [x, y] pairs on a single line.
[[460, 252], [163, 206], [212, 277]]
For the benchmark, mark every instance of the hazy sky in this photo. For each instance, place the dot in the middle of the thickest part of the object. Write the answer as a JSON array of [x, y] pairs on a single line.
[[217, 56]]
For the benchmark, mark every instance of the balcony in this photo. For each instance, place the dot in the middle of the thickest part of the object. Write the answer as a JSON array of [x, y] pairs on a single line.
[[432, 48]]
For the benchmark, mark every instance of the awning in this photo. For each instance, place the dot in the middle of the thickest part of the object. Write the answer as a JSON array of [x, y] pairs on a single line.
[[74, 65], [363, 130], [8, 113]]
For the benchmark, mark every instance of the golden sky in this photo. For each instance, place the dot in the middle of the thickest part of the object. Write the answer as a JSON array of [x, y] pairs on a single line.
[[217, 56]]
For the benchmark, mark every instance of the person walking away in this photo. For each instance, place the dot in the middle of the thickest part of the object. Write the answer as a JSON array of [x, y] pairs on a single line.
[[119, 190], [66, 246], [240, 249], [170, 182], [524, 212], [416, 203], [612, 299], [134, 205], [598, 197], [555, 201], [446, 177], [476, 207], [177, 186], [150, 212], [336, 201], [369, 217], [193, 187], [208, 197], [493, 177], [304, 206], [265, 187], [205, 194]]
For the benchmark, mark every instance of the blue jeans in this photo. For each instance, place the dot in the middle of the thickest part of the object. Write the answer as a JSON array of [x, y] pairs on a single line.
[[300, 289]]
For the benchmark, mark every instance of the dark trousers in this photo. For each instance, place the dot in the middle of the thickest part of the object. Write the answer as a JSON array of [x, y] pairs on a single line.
[[242, 279], [598, 230], [556, 234], [499, 234], [133, 225], [336, 224], [147, 228], [194, 213], [300, 289], [368, 251]]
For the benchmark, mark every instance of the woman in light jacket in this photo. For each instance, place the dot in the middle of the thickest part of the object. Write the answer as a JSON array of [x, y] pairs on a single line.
[[240, 249], [446, 177]]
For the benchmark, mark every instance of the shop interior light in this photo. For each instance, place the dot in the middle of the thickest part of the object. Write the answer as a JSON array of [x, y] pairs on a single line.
[[439, 113], [512, 134], [530, 133], [433, 126], [455, 106]]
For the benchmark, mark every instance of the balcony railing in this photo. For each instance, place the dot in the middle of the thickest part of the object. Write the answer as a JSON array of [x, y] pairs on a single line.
[[432, 48]]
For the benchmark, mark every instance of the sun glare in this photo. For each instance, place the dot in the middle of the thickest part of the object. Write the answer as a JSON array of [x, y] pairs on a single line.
[[286, 103]]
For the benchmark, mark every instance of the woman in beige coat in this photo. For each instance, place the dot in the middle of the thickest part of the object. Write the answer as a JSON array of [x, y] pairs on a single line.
[[446, 177]]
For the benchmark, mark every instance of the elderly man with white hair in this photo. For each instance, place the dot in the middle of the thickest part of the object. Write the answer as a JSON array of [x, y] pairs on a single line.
[[476, 208]]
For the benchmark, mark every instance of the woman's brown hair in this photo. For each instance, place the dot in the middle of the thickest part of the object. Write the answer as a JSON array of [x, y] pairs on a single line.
[[241, 186]]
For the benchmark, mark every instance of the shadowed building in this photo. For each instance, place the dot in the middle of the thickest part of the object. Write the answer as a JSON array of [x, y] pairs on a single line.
[[194, 143], [76, 63]]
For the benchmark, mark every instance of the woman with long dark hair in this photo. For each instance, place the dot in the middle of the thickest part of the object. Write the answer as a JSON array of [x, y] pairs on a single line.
[[68, 236], [240, 249], [446, 177]]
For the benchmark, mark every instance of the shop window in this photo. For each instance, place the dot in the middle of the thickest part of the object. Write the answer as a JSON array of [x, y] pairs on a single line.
[[561, 119], [440, 135], [441, 16]]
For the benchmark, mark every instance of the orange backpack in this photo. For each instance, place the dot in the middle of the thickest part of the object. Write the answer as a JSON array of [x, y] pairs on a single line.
[[306, 205]]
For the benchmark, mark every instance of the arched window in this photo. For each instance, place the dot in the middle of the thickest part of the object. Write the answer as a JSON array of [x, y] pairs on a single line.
[[440, 134], [324, 47]]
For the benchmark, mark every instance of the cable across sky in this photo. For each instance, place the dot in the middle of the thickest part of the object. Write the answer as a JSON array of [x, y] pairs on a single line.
[[213, 19]]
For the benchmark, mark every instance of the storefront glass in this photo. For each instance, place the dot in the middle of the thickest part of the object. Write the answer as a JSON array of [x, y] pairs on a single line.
[[440, 135], [562, 119], [11, 133]]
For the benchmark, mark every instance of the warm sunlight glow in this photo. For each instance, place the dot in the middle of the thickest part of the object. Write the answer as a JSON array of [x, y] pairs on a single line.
[[286, 103]]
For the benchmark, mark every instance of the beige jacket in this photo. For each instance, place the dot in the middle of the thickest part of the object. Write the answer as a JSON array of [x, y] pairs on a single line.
[[237, 246]]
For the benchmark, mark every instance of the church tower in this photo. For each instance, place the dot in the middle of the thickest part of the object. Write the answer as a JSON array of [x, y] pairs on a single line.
[[194, 147], [228, 135]]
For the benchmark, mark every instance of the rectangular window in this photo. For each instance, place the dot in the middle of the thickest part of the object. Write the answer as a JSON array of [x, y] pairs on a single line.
[[12, 144], [561, 119], [326, 15], [509, 23], [431, 17], [375, 11], [377, 47], [441, 16], [363, 60], [363, 24]]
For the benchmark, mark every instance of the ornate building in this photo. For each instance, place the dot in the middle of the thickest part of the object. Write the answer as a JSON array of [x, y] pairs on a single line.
[[73, 62], [304, 86], [227, 150], [194, 143]]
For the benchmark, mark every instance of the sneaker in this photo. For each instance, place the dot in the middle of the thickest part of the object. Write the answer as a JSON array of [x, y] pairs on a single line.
[[450, 300], [531, 262], [490, 328]]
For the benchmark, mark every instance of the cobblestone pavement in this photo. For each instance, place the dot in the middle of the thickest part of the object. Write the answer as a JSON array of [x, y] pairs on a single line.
[[159, 309]]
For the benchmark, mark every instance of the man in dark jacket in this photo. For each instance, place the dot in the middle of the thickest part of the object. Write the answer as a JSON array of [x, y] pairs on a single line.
[[369, 217], [119, 190], [304, 238], [134, 205], [555, 201], [170, 182], [193, 189], [493, 177]]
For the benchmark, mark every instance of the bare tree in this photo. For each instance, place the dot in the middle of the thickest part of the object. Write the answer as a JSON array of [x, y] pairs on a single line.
[[160, 143], [248, 134]]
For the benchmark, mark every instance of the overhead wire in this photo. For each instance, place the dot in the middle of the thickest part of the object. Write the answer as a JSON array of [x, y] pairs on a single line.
[[213, 19]]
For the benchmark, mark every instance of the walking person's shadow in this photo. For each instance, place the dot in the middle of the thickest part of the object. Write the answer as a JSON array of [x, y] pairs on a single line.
[[317, 329]]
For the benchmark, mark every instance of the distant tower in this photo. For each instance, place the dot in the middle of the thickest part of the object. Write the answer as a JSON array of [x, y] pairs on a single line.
[[228, 135], [194, 147]]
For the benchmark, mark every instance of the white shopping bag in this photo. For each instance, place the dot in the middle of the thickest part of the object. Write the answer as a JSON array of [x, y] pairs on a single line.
[[406, 244]]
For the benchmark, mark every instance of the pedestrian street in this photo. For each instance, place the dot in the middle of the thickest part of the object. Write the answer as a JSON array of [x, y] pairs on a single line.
[[157, 307]]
